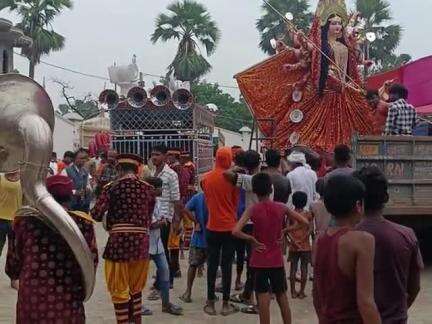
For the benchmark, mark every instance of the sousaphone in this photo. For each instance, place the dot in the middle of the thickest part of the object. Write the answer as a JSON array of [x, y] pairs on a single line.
[[26, 142]]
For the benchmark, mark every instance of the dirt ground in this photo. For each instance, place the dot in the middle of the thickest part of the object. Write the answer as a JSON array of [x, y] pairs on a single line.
[[99, 309]]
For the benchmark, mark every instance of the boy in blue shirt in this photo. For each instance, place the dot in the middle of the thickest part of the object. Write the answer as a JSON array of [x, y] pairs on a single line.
[[196, 210]]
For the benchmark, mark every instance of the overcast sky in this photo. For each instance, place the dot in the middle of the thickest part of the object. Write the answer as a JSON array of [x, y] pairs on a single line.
[[100, 32]]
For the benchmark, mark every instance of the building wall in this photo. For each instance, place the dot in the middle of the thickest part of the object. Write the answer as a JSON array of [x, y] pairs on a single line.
[[65, 137], [236, 139]]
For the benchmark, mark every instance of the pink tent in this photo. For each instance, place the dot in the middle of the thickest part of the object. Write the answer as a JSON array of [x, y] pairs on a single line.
[[417, 77]]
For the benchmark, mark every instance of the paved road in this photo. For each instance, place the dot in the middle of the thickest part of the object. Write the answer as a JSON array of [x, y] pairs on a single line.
[[99, 309]]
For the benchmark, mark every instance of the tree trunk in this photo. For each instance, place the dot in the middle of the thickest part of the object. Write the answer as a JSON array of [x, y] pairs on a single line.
[[31, 68]]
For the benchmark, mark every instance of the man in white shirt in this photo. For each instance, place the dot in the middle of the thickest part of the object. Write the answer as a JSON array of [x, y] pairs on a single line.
[[169, 201], [301, 177], [157, 254]]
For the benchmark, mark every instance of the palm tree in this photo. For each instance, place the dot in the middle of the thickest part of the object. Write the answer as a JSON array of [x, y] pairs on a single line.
[[378, 19], [271, 25], [36, 18], [190, 24]]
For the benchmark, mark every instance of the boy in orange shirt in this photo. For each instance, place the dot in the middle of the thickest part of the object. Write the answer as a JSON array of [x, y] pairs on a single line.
[[301, 249]]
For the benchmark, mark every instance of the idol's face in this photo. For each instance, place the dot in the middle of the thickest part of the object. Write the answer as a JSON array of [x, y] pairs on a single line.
[[335, 27]]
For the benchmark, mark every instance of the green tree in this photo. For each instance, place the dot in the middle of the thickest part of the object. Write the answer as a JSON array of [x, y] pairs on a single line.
[[36, 22], [189, 23], [271, 25], [231, 114], [378, 18]]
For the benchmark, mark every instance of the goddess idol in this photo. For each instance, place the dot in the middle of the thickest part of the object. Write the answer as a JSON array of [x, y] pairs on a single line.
[[311, 94]]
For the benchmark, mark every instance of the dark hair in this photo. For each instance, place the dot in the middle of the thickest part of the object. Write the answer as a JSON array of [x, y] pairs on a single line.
[[299, 199], [376, 187], [69, 154], [319, 186], [262, 184], [128, 167], [155, 182], [371, 94], [53, 154], [80, 151], [341, 195], [239, 159], [400, 90], [161, 148], [252, 160], [326, 50], [62, 199], [342, 153], [273, 158]]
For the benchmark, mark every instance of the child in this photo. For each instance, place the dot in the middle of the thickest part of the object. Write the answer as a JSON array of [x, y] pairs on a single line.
[[266, 260], [343, 259], [300, 250], [198, 244], [157, 254]]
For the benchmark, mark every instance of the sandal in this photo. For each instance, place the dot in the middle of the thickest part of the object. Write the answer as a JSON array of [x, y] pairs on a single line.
[[173, 310], [250, 309], [209, 310], [237, 298], [146, 311], [233, 309], [186, 299], [154, 295]]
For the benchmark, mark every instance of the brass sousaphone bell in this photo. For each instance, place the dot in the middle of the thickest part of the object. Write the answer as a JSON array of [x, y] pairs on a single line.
[[137, 97], [160, 96]]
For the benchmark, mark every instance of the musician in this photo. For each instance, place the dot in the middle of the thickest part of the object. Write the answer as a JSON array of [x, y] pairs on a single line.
[[129, 204], [50, 279]]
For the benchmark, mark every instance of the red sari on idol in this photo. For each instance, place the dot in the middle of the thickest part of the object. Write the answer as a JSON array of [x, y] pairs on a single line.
[[291, 99]]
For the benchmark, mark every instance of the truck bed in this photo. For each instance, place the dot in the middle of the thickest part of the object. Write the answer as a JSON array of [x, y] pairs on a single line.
[[407, 163]]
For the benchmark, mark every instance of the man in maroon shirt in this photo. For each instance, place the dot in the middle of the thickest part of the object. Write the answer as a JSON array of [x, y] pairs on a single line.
[[398, 260]]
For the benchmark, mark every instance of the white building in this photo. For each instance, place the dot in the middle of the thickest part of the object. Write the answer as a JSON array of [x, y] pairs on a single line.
[[241, 138], [65, 137]]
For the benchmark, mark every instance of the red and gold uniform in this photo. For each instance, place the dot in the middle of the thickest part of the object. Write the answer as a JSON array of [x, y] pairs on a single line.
[[50, 289], [129, 204]]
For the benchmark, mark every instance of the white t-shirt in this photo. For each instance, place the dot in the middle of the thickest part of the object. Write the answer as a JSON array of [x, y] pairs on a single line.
[[156, 246], [304, 179]]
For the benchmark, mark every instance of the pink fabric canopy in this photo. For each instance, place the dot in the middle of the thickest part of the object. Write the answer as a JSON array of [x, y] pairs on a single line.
[[416, 76]]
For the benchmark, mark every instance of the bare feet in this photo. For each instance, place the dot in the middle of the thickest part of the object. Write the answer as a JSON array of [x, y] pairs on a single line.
[[228, 309], [186, 298], [210, 309]]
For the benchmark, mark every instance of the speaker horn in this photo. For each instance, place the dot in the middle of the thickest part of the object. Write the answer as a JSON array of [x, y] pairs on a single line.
[[160, 96], [110, 98], [183, 99], [137, 97]]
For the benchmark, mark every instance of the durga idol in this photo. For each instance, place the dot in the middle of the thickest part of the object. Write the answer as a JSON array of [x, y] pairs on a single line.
[[312, 91]]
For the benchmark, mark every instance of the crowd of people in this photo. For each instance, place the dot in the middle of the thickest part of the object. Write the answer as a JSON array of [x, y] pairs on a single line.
[[248, 212]]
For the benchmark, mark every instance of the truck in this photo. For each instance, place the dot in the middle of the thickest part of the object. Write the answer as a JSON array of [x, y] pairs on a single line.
[[407, 163]]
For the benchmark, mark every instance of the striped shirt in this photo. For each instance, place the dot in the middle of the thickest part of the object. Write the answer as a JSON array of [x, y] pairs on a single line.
[[170, 191]]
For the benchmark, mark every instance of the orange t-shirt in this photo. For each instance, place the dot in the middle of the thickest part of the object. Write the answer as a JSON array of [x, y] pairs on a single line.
[[301, 235], [221, 196]]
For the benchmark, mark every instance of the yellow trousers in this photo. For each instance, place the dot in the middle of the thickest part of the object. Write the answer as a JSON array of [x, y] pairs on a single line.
[[125, 279]]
